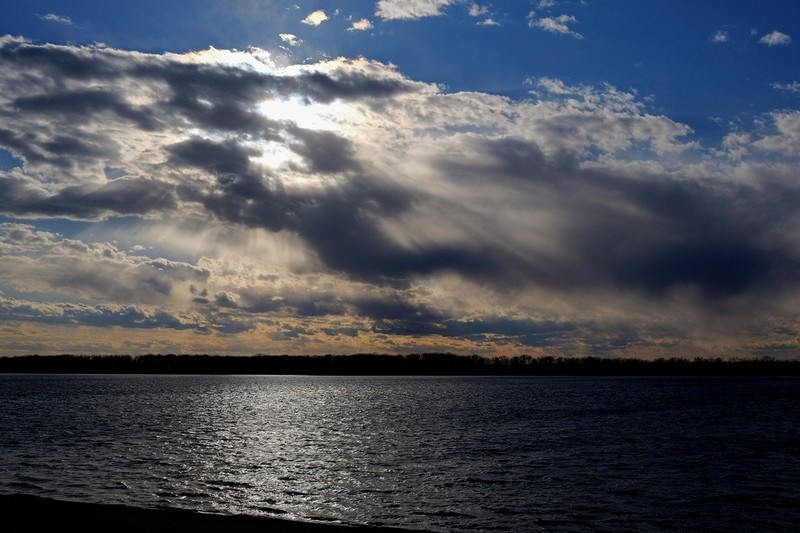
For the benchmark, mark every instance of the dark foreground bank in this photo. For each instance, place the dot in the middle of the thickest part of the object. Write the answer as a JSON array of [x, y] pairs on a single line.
[[31, 513], [426, 364]]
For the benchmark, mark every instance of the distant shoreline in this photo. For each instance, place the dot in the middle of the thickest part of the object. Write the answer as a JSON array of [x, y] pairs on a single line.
[[426, 364], [21, 513]]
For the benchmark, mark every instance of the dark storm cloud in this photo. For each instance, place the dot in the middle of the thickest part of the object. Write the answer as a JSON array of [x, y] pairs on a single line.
[[347, 86], [58, 86], [341, 224], [58, 150], [302, 304], [650, 233], [394, 315], [224, 116], [59, 62], [525, 331], [389, 312], [124, 196], [99, 316], [225, 299], [216, 83], [324, 151], [222, 159], [720, 240], [427, 186], [242, 194], [84, 105]]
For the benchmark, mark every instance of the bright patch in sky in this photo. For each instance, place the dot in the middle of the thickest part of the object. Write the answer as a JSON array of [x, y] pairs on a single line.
[[307, 115], [550, 177]]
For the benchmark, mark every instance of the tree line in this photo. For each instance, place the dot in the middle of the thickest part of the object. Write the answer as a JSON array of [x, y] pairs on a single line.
[[432, 364]]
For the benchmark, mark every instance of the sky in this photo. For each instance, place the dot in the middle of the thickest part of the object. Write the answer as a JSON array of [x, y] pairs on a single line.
[[547, 177]]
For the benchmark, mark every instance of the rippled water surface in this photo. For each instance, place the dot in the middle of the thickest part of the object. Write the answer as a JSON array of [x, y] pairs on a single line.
[[440, 454]]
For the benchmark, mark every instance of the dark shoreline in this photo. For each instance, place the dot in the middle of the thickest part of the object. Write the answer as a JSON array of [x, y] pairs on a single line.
[[22, 513], [426, 364]]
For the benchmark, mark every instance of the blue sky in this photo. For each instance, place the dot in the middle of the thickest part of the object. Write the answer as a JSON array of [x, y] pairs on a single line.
[[549, 177], [662, 49]]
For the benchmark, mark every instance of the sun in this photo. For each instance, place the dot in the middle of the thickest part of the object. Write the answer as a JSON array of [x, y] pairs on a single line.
[[310, 115]]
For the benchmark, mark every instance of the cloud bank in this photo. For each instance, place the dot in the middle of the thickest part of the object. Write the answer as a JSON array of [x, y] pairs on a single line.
[[237, 205]]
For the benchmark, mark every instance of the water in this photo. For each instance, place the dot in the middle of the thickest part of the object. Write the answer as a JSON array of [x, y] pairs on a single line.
[[439, 454]]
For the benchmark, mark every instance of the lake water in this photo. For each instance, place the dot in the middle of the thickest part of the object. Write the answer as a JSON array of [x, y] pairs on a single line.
[[439, 454]]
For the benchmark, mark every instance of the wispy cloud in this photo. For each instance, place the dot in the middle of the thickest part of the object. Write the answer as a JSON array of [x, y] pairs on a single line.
[[559, 24], [58, 19], [315, 18], [775, 38], [361, 25], [410, 9], [476, 10], [792, 87], [720, 36], [290, 39]]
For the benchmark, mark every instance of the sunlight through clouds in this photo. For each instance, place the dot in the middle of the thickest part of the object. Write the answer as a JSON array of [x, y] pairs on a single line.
[[237, 196]]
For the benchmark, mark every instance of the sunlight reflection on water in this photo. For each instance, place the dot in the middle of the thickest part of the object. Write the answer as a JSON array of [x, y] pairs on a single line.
[[433, 453]]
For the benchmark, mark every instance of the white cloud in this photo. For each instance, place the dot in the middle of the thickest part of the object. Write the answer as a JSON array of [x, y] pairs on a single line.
[[545, 4], [721, 36], [290, 39], [91, 272], [410, 9], [488, 22], [775, 38], [559, 24], [476, 10], [58, 19], [315, 18], [786, 135], [737, 145], [792, 87], [361, 25]]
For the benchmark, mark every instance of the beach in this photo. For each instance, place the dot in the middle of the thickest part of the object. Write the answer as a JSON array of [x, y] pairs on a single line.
[[19, 513]]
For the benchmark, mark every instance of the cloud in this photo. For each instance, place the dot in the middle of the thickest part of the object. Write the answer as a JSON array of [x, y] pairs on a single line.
[[342, 206], [775, 38], [315, 18], [105, 316], [721, 36], [785, 136], [410, 9], [361, 25], [37, 262], [58, 19], [546, 4], [290, 39], [559, 24], [792, 87], [126, 196], [476, 10]]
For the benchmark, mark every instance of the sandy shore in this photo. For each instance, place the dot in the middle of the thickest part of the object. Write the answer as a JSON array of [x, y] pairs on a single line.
[[32, 513]]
